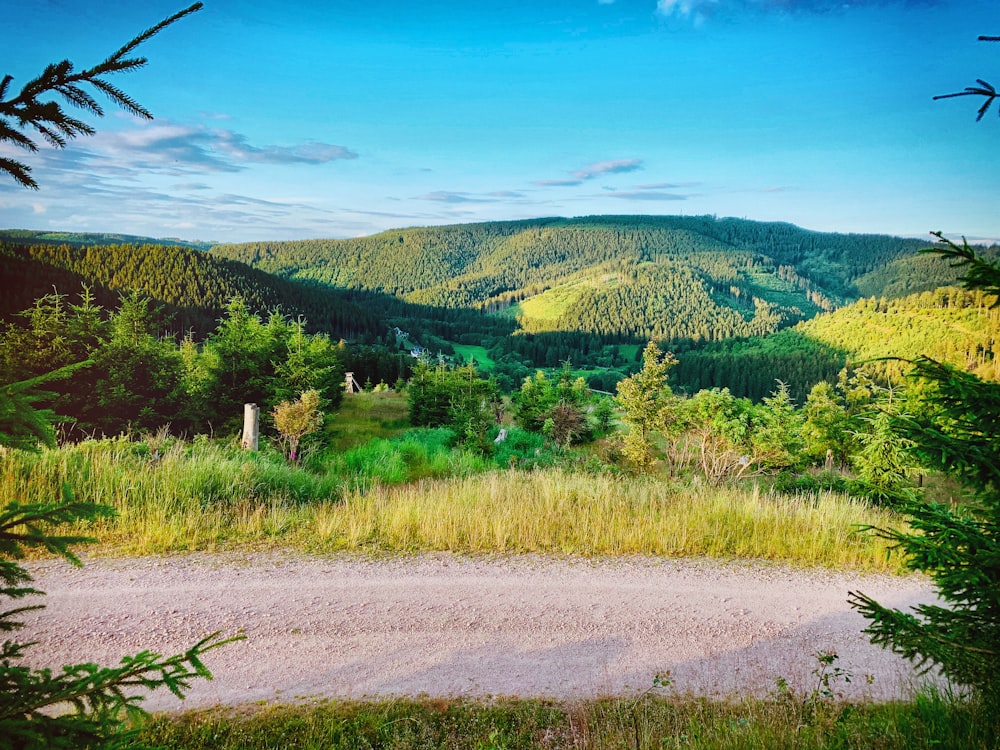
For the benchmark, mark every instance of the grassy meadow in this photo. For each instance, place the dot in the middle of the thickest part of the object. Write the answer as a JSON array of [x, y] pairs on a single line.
[[469, 352], [377, 486], [413, 493]]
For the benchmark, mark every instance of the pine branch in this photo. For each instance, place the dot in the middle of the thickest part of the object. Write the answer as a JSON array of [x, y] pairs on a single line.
[[980, 274], [49, 119], [983, 89]]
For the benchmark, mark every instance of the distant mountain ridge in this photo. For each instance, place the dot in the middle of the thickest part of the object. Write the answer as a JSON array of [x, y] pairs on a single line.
[[41, 237]]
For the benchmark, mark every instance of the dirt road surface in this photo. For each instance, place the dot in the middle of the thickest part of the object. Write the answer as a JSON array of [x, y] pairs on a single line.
[[446, 625]]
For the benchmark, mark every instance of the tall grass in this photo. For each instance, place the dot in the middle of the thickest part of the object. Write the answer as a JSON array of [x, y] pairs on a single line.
[[366, 416], [204, 496], [648, 723], [553, 511]]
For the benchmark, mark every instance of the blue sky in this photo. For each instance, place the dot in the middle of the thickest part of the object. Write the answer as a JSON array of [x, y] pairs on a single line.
[[287, 119]]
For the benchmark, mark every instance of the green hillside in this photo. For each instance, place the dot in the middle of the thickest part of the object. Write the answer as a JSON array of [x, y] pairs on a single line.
[[620, 278], [37, 237], [948, 324], [193, 286]]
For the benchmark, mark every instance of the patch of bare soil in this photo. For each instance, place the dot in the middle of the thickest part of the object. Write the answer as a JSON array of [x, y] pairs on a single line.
[[445, 625]]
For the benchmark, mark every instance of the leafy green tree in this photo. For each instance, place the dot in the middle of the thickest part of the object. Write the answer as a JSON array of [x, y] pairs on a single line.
[[556, 407], [44, 342], [457, 398], [429, 395], [776, 437], [199, 368], [312, 362], [534, 400], [826, 426], [296, 419], [954, 431], [29, 109], [723, 426], [244, 350], [883, 456], [139, 376]]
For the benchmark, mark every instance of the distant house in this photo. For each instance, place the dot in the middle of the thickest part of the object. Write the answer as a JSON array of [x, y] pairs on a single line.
[[417, 352]]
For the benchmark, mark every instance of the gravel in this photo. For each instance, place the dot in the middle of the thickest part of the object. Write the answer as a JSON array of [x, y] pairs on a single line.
[[444, 625]]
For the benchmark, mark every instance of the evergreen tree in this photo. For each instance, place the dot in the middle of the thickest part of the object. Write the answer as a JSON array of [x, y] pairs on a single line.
[[138, 376], [825, 429], [457, 398], [22, 423], [777, 435], [81, 705], [952, 430], [648, 406]]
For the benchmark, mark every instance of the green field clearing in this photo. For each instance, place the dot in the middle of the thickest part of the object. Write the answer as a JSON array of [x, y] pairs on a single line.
[[484, 363], [363, 417]]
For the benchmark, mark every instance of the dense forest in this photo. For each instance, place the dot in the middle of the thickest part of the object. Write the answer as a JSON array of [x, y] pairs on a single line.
[[622, 279], [875, 336], [193, 287], [742, 304]]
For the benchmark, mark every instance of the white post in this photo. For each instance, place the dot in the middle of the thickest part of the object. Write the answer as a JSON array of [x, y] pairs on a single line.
[[251, 426]]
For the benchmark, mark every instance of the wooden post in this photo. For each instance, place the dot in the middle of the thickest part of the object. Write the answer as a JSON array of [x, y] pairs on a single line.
[[251, 426]]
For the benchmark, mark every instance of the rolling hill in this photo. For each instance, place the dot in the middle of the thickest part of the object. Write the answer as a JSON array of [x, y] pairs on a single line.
[[193, 286], [621, 278]]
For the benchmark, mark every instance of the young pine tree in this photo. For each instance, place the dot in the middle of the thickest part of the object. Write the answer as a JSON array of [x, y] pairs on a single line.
[[954, 430]]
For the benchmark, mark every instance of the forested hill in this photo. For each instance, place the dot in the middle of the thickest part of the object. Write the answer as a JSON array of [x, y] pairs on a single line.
[[193, 286], [949, 324], [675, 278]]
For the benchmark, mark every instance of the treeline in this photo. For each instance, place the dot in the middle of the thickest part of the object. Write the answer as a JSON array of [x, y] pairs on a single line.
[[193, 287], [38, 237], [538, 293]]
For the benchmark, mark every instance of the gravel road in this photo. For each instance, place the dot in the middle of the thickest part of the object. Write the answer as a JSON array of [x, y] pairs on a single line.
[[446, 625]]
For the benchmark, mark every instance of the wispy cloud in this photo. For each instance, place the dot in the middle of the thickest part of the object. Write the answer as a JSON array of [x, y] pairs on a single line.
[[616, 166], [656, 191], [647, 195], [700, 10], [448, 196], [666, 185], [200, 148], [557, 183], [591, 171]]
